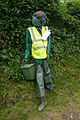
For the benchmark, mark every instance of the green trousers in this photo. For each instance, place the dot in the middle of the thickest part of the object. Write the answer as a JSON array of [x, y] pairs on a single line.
[[43, 77]]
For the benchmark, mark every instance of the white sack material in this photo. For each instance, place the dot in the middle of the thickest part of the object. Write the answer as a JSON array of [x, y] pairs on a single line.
[[46, 35]]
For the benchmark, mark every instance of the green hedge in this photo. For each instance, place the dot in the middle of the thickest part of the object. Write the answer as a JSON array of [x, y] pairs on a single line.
[[64, 20]]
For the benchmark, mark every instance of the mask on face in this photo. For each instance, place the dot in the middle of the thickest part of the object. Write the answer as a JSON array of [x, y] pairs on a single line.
[[38, 22]]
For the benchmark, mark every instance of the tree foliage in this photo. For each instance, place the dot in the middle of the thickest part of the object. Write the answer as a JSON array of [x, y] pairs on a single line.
[[63, 18]]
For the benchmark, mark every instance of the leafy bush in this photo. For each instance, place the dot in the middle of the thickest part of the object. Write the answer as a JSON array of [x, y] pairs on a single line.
[[16, 17]]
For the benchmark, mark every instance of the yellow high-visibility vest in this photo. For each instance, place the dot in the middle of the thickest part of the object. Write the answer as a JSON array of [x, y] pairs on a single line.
[[39, 46]]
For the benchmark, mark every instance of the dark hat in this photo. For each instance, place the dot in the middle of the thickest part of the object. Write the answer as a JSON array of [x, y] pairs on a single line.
[[40, 14]]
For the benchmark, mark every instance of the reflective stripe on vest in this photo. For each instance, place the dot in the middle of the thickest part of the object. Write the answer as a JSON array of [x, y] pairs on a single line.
[[39, 47]]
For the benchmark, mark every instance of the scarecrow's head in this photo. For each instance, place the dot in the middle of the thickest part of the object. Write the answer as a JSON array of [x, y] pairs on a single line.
[[39, 18]]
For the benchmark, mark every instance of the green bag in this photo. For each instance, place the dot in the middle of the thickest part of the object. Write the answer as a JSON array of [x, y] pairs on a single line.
[[28, 71]]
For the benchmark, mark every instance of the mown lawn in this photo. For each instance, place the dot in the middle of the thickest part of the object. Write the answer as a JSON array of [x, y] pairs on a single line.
[[19, 100]]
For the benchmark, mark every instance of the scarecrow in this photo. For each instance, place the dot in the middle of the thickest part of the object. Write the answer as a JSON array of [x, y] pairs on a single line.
[[38, 46]]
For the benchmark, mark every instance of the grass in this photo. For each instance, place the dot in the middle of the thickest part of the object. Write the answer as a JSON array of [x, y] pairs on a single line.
[[19, 100]]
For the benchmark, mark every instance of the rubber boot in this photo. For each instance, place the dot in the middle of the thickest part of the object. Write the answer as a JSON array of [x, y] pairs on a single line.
[[43, 104]]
